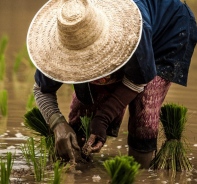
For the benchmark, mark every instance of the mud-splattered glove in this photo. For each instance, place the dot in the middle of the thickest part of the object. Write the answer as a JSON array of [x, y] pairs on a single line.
[[66, 145], [106, 113]]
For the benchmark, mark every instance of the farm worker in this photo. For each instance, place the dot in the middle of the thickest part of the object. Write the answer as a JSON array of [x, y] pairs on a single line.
[[116, 54]]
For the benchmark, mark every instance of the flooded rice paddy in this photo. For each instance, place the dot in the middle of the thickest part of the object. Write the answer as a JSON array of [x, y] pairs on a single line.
[[15, 17]]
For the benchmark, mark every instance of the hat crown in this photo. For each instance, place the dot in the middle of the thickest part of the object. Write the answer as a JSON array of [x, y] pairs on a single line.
[[72, 10], [79, 24]]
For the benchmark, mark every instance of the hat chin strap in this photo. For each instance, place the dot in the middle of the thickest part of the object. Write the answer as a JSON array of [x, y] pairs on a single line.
[[79, 24]]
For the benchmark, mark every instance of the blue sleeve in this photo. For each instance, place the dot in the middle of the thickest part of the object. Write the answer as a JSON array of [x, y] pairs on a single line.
[[46, 84], [141, 68]]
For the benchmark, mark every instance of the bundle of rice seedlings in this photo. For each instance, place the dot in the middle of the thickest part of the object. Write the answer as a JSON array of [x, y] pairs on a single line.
[[35, 122], [173, 154], [122, 169]]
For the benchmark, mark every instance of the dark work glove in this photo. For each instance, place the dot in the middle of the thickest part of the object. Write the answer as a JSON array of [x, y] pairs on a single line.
[[106, 113], [65, 138], [93, 145]]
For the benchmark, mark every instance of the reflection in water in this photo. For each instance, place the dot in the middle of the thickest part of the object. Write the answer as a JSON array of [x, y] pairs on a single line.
[[15, 17]]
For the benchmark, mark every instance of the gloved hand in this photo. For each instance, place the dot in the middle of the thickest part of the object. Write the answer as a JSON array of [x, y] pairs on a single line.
[[65, 138], [106, 113], [93, 145]]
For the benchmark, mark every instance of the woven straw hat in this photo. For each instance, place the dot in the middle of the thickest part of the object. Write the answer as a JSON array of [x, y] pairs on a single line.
[[75, 41]]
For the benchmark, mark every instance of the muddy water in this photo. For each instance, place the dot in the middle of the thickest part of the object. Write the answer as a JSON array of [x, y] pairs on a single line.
[[15, 17]]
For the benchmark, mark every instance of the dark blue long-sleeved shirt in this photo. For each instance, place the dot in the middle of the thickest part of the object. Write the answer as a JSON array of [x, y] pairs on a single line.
[[168, 39]]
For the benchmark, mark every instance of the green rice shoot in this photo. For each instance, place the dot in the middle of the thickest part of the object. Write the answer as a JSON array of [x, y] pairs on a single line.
[[6, 168], [85, 125], [22, 57], [36, 154], [57, 173], [3, 102], [2, 66], [122, 169], [173, 154], [3, 45], [30, 102]]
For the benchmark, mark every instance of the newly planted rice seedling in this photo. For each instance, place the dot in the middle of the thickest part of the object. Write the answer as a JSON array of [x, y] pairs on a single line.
[[6, 168], [85, 125], [36, 155], [57, 173], [30, 102], [2, 66], [122, 169], [22, 56], [3, 45], [172, 155], [3, 102]]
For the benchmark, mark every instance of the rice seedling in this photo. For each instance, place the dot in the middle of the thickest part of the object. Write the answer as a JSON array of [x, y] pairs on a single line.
[[22, 56], [30, 102], [35, 122], [122, 169], [3, 44], [2, 66], [85, 125], [6, 168], [3, 102], [173, 154], [57, 173], [36, 155], [58, 170]]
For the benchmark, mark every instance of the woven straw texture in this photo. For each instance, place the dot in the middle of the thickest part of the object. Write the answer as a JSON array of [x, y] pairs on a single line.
[[96, 41]]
